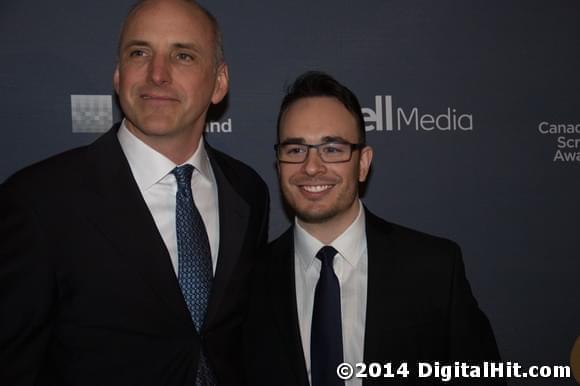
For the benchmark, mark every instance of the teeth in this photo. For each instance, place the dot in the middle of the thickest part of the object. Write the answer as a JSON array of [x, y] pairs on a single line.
[[316, 188]]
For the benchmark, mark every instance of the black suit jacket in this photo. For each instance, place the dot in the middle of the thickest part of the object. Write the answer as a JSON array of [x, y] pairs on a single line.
[[88, 295], [419, 308]]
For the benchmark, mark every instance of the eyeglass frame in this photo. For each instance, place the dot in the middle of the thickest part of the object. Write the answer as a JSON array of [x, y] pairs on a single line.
[[353, 147]]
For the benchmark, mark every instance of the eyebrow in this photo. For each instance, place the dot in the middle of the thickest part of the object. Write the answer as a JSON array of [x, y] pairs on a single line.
[[326, 139], [293, 140], [338, 139], [143, 43], [187, 46], [132, 43]]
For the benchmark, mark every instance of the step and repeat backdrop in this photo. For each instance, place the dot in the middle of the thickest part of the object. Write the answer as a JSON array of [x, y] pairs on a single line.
[[472, 107]]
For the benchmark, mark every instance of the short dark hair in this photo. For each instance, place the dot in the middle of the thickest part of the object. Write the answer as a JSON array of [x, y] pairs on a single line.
[[320, 84]]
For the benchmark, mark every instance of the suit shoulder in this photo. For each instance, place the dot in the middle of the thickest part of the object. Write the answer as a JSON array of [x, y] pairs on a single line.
[[282, 242], [409, 239], [243, 177], [432, 260], [47, 172], [413, 235]]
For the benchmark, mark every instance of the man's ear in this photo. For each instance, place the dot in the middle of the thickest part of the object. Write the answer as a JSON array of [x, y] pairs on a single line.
[[221, 84], [116, 79], [366, 158]]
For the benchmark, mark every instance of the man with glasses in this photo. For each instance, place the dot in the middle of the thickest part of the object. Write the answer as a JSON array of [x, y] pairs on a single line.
[[342, 285]]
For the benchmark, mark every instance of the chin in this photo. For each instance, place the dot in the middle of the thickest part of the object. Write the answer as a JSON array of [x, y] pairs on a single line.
[[316, 216], [157, 127]]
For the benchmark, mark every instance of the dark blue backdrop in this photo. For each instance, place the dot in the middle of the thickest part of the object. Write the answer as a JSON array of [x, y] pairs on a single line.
[[504, 184]]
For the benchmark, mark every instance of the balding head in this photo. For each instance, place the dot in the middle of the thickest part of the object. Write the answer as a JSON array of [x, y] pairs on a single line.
[[194, 7], [169, 72]]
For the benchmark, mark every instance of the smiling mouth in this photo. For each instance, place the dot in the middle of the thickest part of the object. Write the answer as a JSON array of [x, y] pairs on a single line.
[[316, 188], [158, 98]]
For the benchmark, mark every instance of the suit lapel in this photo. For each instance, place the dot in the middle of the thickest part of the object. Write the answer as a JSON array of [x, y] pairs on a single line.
[[116, 207], [381, 287], [283, 300], [234, 214]]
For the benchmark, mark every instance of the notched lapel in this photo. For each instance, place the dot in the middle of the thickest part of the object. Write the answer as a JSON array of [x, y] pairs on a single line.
[[283, 301], [234, 214], [117, 208], [382, 295]]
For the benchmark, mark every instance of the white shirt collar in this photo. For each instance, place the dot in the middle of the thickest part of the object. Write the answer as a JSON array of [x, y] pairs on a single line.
[[149, 166], [350, 244]]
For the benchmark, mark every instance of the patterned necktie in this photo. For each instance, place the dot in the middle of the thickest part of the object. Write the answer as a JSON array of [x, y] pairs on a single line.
[[195, 272], [326, 332]]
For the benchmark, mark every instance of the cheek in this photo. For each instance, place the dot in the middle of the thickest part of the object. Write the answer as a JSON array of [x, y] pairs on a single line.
[[347, 172], [131, 74], [124, 85], [285, 173], [351, 179]]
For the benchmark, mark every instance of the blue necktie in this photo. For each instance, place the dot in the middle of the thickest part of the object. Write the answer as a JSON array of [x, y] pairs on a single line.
[[195, 271], [326, 332]]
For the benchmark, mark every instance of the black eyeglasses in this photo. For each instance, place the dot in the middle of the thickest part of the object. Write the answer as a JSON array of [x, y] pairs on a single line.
[[329, 152]]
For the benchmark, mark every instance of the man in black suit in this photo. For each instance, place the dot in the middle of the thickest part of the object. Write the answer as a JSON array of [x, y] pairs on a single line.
[[342, 285], [106, 267]]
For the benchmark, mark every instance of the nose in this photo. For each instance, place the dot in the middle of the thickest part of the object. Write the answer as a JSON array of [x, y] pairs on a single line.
[[313, 164], [159, 70]]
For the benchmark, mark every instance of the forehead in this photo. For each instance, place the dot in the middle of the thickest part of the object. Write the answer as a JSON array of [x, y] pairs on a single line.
[[176, 20], [314, 118]]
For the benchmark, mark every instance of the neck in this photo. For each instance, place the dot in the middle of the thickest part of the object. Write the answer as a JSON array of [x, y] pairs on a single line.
[[329, 230], [177, 147], [178, 151]]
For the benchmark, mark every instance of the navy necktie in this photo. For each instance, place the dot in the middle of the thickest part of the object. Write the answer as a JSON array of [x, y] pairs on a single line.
[[195, 272], [326, 332]]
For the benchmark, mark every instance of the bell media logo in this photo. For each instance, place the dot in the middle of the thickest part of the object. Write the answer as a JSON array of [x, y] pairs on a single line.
[[94, 114], [385, 117]]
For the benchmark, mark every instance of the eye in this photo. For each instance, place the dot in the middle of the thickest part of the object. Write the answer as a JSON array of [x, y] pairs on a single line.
[[333, 149], [293, 150], [184, 57], [136, 53]]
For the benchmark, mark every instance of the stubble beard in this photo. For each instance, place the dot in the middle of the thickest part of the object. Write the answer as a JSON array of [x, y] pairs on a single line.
[[313, 215]]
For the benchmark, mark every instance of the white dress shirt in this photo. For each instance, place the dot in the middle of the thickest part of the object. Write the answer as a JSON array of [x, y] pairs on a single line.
[[152, 172], [351, 268]]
